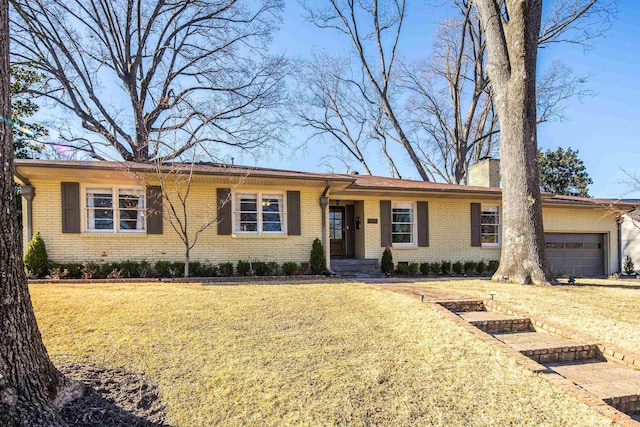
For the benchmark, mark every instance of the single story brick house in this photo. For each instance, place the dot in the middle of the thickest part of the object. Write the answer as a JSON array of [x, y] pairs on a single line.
[[110, 211]]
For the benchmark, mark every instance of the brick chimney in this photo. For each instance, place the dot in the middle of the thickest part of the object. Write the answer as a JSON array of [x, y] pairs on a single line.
[[485, 173]]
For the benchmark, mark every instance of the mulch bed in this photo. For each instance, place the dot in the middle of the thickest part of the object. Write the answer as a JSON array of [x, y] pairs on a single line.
[[113, 397]]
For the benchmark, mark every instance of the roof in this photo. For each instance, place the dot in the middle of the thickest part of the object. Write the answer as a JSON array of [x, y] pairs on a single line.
[[345, 184]]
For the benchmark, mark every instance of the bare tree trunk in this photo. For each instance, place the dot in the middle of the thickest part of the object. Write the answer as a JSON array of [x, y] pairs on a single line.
[[29, 383], [512, 44]]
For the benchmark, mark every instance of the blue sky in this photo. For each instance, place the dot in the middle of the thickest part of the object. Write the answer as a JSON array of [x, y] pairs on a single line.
[[604, 127]]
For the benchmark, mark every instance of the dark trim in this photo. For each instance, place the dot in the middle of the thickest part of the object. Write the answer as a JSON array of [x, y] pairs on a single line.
[[154, 210], [224, 211], [70, 193], [385, 223], [476, 225], [423, 224], [294, 223]]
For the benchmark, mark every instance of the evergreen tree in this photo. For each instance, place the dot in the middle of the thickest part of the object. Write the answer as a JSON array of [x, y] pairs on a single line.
[[318, 261], [562, 172]]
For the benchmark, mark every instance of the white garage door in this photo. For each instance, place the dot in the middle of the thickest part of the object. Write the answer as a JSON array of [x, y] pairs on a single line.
[[576, 254]]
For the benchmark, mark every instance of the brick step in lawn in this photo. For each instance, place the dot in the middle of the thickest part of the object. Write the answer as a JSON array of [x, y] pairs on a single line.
[[491, 322], [618, 386], [545, 348]]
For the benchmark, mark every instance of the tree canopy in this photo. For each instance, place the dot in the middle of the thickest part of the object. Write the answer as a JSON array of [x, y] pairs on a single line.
[[562, 172], [137, 74]]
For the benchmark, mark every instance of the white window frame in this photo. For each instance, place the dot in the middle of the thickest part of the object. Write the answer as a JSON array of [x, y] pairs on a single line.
[[414, 224], [115, 191], [235, 223], [498, 210]]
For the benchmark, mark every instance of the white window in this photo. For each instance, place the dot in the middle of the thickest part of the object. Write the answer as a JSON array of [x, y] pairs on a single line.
[[259, 213], [114, 210], [490, 225], [402, 224]]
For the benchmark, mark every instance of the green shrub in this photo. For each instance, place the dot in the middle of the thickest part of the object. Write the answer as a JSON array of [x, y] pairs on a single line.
[[144, 269], [243, 268], [36, 260], [317, 261], [305, 268], [226, 269], [481, 266], [386, 265], [493, 266], [445, 267], [470, 267], [162, 268], [209, 270], [260, 268], [425, 268], [403, 268], [129, 268], [289, 268], [108, 268], [273, 268], [628, 266], [196, 269], [176, 269], [457, 267], [414, 267], [434, 267]]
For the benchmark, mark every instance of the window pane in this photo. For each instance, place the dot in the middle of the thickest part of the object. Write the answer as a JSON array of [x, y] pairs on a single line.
[[401, 238], [490, 224], [99, 205], [402, 223]]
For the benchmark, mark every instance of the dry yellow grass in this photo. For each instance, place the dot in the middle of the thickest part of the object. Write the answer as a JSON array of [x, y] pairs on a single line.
[[605, 309], [341, 354]]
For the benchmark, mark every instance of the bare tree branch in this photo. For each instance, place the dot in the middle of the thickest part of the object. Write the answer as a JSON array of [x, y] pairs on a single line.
[[132, 71]]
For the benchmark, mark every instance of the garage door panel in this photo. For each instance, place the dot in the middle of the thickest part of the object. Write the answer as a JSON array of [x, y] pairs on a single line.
[[576, 254]]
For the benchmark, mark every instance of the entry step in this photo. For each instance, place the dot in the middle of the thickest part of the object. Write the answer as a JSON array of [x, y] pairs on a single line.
[[545, 348]]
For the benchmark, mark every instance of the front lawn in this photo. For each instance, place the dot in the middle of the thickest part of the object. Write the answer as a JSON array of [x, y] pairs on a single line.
[[605, 309], [342, 354]]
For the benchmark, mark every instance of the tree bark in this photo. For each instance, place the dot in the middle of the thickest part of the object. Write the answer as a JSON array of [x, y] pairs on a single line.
[[512, 44], [29, 383]]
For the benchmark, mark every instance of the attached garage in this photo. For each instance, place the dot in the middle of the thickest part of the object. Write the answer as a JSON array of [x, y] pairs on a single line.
[[576, 254]]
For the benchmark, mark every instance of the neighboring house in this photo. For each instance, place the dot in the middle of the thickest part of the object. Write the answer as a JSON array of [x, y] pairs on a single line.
[[630, 237], [109, 211]]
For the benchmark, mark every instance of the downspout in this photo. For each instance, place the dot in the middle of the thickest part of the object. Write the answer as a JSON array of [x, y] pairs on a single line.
[[324, 202], [619, 223]]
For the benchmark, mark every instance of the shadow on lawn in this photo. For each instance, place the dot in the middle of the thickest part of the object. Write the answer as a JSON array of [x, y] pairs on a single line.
[[112, 397], [578, 284]]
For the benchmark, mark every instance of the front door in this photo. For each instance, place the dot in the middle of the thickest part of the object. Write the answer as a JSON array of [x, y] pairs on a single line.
[[336, 231]]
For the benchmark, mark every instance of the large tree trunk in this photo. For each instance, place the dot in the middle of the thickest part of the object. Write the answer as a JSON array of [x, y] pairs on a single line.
[[512, 45], [29, 383]]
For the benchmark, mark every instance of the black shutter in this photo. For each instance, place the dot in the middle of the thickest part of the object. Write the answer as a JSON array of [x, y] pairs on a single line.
[[293, 213], [154, 210], [70, 207], [476, 228], [385, 223], [224, 211], [423, 224]]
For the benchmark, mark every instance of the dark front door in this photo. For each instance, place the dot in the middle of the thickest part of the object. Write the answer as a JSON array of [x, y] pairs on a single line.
[[337, 231]]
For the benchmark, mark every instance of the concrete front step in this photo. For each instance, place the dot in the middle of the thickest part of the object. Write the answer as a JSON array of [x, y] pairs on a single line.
[[618, 386], [350, 267], [544, 348], [492, 322]]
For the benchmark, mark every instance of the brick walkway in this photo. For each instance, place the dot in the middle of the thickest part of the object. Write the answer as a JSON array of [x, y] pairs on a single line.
[[599, 375]]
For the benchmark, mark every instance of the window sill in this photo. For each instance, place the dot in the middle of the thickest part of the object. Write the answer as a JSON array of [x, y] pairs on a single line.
[[492, 246], [241, 235], [90, 235], [404, 247]]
